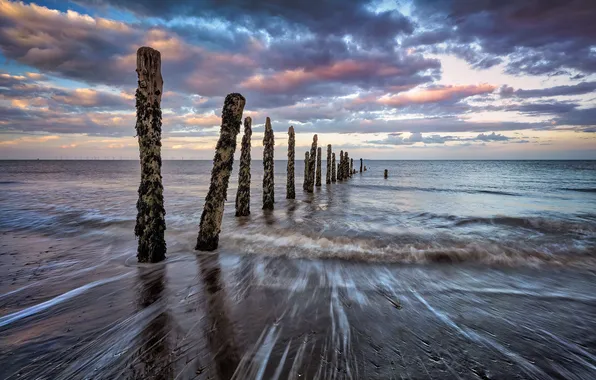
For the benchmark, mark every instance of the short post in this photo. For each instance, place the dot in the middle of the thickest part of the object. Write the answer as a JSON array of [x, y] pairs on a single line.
[[306, 171], [386, 174], [151, 223], [243, 193], [312, 165], [268, 184], [365, 168], [290, 187], [318, 183], [333, 177], [361, 165], [231, 118]]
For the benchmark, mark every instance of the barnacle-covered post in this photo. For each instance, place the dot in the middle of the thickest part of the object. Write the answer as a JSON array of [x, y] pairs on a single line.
[[312, 164], [268, 185], [243, 194], [340, 166], [231, 118], [328, 174], [306, 171], [151, 223], [361, 165], [318, 183], [290, 187], [333, 177], [386, 174]]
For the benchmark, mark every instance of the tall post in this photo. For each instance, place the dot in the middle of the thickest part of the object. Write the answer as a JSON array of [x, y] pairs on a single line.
[[318, 183], [231, 118], [312, 164], [268, 185], [290, 187], [361, 165], [346, 173], [243, 194], [340, 166], [328, 174], [306, 171], [151, 223], [351, 166], [333, 177]]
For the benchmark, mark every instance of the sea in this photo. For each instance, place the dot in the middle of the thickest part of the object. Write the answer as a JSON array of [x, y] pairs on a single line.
[[443, 270]]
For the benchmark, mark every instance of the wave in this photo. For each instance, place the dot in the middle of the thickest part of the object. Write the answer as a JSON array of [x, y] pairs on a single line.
[[535, 223], [582, 190], [438, 190], [290, 243]]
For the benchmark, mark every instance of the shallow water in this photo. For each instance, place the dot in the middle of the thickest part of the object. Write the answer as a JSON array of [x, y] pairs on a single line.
[[448, 269]]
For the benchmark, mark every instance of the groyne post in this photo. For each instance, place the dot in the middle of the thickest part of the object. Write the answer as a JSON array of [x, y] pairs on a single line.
[[318, 183], [340, 165], [351, 166], [151, 223], [268, 181], [333, 172], [328, 173], [311, 164], [306, 171], [210, 227], [361, 165], [243, 193], [386, 174], [290, 186]]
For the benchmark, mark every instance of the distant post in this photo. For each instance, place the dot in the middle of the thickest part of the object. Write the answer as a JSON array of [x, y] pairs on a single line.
[[340, 166], [328, 174], [346, 167], [290, 187], [231, 118], [386, 174], [306, 171], [311, 165], [268, 185], [318, 183], [243, 194], [151, 223], [361, 165], [333, 177], [351, 166]]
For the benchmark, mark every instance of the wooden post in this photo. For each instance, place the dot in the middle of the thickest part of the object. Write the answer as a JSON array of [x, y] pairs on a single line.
[[346, 168], [318, 183], [361, 165], [231, 118], [306, 171], [351, 166], [328, 174], [268, 184], [333, 172], [312, 165], [243, 193], [290, 187], [151, 223], [386, 174], [340, 166]]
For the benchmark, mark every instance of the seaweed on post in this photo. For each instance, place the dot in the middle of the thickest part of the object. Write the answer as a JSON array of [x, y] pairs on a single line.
[[268, 184], [210, 227], [150, 224]]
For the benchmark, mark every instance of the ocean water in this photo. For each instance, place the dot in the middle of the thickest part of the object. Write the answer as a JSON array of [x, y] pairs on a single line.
[[447, 269]]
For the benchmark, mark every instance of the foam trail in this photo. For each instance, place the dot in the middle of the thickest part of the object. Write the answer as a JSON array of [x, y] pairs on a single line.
[[10, 318]]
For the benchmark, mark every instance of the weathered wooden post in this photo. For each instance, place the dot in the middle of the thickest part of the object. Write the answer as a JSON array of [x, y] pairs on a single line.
[[318, 183], [231, 118], [290, 187], [361, 165], [306, 171], [365, 168], [340, 166], [386, 174], [333, 177], [351, 166], [268, 184], [243, 194], [151, 223], [312, 164], [346, 168], [328, 173]]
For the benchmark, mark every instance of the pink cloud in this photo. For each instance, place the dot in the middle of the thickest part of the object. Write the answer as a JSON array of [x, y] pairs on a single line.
[[437, 94]]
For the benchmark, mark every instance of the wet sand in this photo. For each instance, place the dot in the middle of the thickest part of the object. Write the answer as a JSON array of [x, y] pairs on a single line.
[[83, 308]]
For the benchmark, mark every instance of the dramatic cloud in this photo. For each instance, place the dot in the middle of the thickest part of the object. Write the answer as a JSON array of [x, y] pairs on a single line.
[[436, 94]]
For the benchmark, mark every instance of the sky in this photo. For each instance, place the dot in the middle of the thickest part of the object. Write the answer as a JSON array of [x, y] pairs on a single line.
[[389, 79]]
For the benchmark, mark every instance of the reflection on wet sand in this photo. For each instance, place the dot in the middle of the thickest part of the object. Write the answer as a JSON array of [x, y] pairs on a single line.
[[219, 329], [153, 359]]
